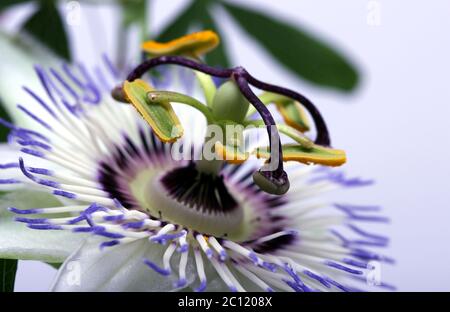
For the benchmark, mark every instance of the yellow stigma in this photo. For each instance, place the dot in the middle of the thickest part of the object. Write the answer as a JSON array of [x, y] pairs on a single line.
[[195, 45]]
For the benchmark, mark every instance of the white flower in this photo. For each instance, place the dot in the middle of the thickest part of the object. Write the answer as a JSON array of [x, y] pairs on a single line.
[[111, 202]]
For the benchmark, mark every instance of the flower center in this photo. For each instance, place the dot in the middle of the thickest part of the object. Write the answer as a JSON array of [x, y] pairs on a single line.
[[192, 199], [196, 200]]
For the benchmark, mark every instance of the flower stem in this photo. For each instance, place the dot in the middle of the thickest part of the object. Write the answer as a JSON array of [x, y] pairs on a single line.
[[294, 134], [158, 97]]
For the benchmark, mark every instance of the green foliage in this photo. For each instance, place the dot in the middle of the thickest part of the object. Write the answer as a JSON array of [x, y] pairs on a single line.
[[8, 268], [180, 25], [218, 57], [3, 130], [296, 49], [7, 3], [46, 25], [134, 12]]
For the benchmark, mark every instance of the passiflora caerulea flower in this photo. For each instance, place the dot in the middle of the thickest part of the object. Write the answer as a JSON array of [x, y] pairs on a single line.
[[126, 195]]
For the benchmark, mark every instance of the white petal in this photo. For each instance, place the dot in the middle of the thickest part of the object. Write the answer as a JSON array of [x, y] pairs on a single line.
[[19, 242], [118, 268], [17, 70], [9, 153]]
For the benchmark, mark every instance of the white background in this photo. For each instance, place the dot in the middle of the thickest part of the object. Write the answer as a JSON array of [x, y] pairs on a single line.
[[394, 127]]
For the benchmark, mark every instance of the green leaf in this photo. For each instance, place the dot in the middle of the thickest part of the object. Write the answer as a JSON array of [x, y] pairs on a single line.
[[134, 12], [296, 49], [4, 4], [3, 130], [179, 26], [217, 57], [47, 26], [54, 265], [8, 268]]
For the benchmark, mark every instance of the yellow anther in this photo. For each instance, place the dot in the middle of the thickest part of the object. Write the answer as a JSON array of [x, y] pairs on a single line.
[[195, 45], [316, 155], [161, 117], [230, 154]]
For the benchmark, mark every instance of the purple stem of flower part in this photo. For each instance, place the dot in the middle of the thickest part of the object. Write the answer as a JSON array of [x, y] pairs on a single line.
[[323, 137], [177, 60], [242, 83]]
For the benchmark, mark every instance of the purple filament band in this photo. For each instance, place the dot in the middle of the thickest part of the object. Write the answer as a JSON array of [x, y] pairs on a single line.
[[40, 101], [34, 117], [156, 268]]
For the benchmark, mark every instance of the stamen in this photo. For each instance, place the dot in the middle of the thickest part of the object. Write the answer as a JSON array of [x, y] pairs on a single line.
[[194, 45]]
